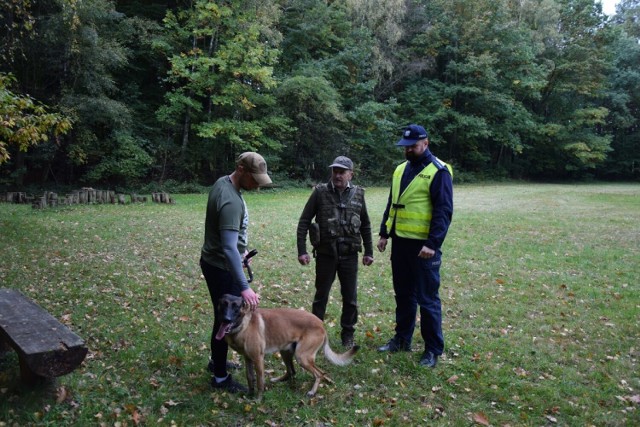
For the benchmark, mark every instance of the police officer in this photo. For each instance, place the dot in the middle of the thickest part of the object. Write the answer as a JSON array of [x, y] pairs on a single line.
[[417, 218], [342, 226]]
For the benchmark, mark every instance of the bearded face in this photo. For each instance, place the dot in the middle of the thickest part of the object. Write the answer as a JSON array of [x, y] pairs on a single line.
[[413, 152]]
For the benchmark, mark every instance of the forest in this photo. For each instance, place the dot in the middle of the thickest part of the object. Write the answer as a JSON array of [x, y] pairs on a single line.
[[121, 94]]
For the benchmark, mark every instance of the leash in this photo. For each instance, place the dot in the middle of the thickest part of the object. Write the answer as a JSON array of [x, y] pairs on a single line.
[[245, 261]]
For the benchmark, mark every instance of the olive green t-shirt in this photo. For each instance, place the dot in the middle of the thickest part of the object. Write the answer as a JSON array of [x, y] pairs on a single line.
[[226, 210]]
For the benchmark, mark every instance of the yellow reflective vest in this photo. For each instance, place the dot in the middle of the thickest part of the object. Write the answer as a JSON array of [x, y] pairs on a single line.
[[411, 210]]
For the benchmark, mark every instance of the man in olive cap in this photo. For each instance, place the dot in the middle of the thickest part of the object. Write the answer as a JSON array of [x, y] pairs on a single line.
[[342, 227], [225, 244]]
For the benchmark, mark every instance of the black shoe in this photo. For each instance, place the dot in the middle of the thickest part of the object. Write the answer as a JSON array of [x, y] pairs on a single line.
[[228, 385], [230, 365], [395, 344], [348, 342], [428, 359]]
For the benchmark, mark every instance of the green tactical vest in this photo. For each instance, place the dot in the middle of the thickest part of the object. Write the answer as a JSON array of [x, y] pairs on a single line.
[[339, 221]]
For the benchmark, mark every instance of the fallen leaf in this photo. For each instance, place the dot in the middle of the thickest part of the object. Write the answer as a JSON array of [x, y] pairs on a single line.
[[176, 361], [480, 418], [630, 399], [61, 394], [520, 372], [136, 417]]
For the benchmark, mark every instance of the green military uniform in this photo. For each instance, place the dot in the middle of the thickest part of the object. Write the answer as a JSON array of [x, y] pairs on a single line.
[[342, 228]]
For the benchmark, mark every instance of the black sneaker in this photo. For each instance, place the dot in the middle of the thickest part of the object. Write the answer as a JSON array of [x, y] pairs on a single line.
[[428, 359], [395, 344], [228, 385], [230, 365]]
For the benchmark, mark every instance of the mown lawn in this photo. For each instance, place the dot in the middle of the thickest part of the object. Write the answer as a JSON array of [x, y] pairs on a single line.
[[540, 294]]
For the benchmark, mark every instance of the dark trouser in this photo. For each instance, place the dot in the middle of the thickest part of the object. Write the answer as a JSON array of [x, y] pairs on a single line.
[[416, 282], [219, 282], [346, 267]]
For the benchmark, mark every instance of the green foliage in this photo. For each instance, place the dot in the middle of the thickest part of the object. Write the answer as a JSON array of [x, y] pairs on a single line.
[[479, 87], [128, 162], [173, 187], [580, 63], [314, 105], [24, 122], [378, 26], [623, 97], [543, 89], [374, 126], [70, 64], [221, 76], [313, 31], [16, 22], [331, 62]]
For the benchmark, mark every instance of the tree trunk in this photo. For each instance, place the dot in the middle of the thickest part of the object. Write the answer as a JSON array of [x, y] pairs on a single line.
[[185, 131]]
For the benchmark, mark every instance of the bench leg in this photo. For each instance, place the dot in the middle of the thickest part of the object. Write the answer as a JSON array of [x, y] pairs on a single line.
[[4, 347], [28, 376]]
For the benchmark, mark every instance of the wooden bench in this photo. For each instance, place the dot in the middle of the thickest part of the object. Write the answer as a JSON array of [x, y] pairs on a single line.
[[46, 348]]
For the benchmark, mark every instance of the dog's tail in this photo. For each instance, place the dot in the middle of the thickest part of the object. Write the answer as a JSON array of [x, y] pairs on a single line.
[[339, 359]]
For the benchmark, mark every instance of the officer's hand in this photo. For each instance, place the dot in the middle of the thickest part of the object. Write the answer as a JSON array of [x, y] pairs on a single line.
[[426, 252], [367, 260], [382, 244], [304, 259]]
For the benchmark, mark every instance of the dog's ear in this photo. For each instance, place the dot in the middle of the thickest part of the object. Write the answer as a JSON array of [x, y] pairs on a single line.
[[246, 308]]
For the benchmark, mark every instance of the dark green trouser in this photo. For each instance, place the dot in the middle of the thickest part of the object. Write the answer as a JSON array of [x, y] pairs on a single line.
[[346, 267]]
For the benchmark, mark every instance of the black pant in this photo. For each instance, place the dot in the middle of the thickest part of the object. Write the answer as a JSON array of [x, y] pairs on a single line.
[[219, 282], [346, 267]]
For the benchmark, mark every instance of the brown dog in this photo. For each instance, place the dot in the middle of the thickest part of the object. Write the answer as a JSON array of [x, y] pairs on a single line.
[[264, 331]]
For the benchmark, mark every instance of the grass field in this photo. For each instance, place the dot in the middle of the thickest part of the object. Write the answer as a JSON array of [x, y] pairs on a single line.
[[540, 294]]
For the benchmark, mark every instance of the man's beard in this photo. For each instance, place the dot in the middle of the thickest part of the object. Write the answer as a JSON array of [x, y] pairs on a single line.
[[411, 156]]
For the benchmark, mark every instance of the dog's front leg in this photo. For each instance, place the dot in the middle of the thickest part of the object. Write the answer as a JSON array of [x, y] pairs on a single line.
[[251, 375], [259, 364]]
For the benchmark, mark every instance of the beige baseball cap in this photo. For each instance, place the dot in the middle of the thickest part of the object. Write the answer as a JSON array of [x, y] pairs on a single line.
[[256, 165]]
